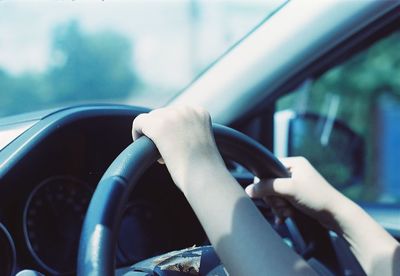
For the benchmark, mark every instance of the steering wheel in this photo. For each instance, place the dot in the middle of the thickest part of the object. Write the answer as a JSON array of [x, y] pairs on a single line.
[[97, 246]]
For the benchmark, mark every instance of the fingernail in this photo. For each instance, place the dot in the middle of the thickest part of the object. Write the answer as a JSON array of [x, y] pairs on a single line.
[[249, 189]]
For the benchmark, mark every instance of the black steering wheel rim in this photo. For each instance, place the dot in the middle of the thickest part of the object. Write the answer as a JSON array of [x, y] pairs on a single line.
[[100, 228]]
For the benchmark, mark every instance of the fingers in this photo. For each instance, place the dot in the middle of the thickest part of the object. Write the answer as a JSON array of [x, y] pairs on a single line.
[[137, 126], [274, 192], [281, 208], [161, 161]]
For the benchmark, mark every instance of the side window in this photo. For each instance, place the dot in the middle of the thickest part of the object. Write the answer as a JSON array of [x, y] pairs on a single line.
[[347, 123]]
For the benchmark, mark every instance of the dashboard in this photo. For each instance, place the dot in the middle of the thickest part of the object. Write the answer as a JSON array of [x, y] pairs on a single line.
[[47, 177]]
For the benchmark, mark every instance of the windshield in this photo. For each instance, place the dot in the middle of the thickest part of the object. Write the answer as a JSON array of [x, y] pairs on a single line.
[[59, 53]]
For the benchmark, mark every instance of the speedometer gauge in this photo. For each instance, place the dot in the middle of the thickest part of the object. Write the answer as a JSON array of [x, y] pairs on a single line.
[[53, 218], [7, 252]]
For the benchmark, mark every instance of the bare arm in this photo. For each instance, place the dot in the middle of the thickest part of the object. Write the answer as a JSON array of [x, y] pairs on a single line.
[[377, 251], [245, 242]]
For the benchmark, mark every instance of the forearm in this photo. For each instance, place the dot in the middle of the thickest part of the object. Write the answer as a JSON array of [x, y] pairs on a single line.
[[377, 251], [245, 242]]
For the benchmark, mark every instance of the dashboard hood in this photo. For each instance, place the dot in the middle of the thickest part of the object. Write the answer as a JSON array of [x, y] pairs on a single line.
[[13, 126]]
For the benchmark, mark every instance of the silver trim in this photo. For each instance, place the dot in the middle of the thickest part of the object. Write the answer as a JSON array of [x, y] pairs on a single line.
[[292, 38]]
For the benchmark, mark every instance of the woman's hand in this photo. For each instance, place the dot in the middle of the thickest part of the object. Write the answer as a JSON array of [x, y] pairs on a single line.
[[305, 190], [241, 236], [184, 138]]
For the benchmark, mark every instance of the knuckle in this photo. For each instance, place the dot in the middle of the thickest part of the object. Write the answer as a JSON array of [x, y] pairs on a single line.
[[201, 112], [300, 160], [303, 160], [137, 119]]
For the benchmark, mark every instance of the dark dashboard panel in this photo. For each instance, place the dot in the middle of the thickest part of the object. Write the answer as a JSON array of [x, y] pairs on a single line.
[[80, 143]]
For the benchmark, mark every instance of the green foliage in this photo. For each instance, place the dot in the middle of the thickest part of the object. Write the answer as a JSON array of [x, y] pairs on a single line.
[[91, 66], [20, 93], [359, 83], [85, 68]]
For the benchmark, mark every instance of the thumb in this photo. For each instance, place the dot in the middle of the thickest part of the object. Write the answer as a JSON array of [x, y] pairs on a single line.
[[270, 187]]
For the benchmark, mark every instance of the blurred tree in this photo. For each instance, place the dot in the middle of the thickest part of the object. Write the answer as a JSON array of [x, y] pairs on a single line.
[[19, 93], [85, 68], [358, 82], [90, 66]]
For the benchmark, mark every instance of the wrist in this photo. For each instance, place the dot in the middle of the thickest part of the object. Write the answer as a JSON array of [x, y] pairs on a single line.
[[201, 172], [339, 210], [198, 168]]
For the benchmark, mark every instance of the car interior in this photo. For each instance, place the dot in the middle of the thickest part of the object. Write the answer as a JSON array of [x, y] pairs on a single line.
[[51, 170]]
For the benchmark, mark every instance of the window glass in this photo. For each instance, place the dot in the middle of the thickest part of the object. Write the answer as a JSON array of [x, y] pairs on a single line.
[[57, 53], [347, 123]]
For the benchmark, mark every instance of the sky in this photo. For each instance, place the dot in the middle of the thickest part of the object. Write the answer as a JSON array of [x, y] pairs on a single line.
[[171, 43]]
